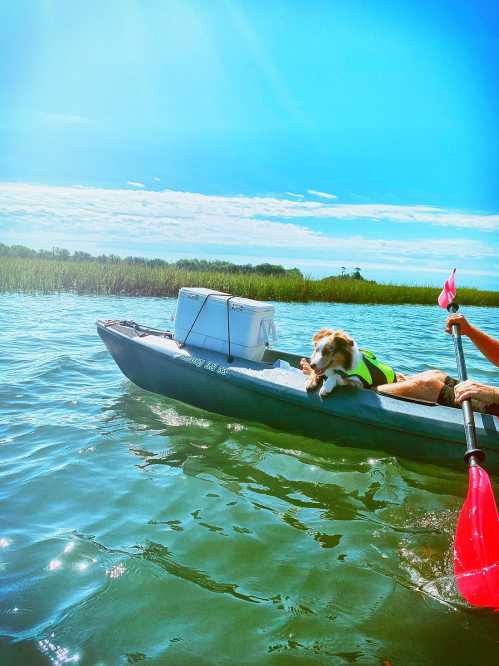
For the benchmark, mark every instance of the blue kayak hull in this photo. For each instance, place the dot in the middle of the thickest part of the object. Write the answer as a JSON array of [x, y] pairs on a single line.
[[253, 392]]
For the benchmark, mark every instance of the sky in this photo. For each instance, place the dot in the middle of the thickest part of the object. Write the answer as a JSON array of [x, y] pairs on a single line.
[[313, 134]]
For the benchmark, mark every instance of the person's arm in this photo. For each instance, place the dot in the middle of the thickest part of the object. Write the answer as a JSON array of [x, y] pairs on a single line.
[[485, 343]]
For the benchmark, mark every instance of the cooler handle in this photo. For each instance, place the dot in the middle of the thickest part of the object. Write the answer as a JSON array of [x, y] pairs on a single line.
[[267, 331]]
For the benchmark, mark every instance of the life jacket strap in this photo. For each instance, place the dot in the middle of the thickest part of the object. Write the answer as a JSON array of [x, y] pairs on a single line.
[[349, 375], [378, 377]]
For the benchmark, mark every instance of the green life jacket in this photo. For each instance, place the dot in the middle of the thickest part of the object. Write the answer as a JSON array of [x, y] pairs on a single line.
[[370, 371]]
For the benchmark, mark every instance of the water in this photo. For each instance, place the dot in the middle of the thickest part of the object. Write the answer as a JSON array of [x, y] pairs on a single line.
[[134, 528]]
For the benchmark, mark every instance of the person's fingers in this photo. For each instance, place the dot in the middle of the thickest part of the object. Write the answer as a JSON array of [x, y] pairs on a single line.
[[468, 391], [466, 395], [460, 320], [464, 386], [471, 389], [452, 319], [471, 383]]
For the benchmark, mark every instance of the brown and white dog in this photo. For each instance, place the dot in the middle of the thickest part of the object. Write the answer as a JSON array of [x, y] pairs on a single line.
[[333, 350]]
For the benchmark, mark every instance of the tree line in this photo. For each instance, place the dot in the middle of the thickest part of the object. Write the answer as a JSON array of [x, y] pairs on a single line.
[[61, 254]]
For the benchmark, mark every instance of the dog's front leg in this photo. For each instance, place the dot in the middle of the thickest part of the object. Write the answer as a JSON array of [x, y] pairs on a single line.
[[329, 385]]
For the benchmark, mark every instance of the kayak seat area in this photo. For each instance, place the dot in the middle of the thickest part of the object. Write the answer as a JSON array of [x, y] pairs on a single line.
[[281, 374], [270, 356]]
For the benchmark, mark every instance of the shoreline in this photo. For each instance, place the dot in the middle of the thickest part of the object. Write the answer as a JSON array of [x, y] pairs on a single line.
[[310, 302]]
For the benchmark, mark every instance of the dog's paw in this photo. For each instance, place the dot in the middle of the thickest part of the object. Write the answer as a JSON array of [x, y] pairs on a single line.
[[324, 392]]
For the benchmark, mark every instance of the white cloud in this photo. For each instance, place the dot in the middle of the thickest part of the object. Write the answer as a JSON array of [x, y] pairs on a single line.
[[323, 195], [296, 196], [169, 221], [134, 183], [156, 178], [170, 202], [412, 214]]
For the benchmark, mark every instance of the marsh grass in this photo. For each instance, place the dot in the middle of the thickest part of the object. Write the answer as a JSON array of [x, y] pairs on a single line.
[[33, 275]]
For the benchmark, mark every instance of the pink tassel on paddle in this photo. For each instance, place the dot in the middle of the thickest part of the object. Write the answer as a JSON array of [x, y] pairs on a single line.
[[448, 292]]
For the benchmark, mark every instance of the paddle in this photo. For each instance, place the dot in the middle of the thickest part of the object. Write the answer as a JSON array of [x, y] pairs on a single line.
[[476, 544]]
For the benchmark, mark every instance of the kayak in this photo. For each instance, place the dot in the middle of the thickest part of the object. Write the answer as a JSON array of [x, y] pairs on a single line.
[[273, 392]]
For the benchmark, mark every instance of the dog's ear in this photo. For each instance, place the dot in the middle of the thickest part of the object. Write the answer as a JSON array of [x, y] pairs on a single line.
[[322, 334], [343, 339]]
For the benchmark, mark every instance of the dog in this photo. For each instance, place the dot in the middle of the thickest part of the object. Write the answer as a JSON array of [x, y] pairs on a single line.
[[333, 350], [337, 359]]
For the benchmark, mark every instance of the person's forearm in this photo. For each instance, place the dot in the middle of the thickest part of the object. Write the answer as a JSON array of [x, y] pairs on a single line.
[[485, 343]]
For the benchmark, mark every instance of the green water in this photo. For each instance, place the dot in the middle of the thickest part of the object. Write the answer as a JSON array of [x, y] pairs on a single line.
[[134, 529]]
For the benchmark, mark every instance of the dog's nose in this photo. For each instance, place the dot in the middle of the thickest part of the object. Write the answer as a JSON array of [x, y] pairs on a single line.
[[313, 366]]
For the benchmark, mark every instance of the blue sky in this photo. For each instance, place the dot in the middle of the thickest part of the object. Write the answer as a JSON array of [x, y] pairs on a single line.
[[316, 134]]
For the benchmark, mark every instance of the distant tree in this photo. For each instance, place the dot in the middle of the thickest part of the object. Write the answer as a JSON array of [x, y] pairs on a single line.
[[45, 254], [294, 272], [21, 251], [135, 260], [78, 255], [61, 253], [188, 264], [270, 269], [156, 263]]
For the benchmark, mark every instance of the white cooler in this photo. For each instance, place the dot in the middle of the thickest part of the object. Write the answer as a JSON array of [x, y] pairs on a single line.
[[251, 322]]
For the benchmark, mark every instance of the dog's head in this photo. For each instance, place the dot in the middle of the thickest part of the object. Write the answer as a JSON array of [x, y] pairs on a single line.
[[332, 349]]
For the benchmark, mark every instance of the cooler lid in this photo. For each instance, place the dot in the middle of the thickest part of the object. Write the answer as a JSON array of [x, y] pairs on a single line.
[[200, 291], [240, 303], [236, 302]]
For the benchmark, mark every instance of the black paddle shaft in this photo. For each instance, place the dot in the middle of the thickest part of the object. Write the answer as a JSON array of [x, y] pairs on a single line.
[[473, 454]]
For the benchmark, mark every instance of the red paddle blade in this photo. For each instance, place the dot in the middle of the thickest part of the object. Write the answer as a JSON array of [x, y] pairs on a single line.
[[476, 548]]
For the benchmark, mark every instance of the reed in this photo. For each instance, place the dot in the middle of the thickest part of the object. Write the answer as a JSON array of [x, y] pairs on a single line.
[[19, 274]]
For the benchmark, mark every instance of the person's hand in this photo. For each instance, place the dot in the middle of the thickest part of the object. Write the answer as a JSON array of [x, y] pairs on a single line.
[[305, 366], [489, 395], [460, 319]]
